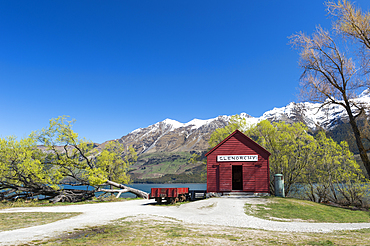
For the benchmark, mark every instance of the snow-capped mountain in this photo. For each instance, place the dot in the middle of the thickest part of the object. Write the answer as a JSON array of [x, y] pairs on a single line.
[[172, 136], [313, 115]]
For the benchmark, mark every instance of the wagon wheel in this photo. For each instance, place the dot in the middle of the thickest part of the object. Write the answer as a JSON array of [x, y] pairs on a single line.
[[173, 201], [182, 198], [158, 200]]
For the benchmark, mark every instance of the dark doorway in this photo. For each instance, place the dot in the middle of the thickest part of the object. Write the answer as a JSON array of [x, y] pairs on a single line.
[[237, 178]]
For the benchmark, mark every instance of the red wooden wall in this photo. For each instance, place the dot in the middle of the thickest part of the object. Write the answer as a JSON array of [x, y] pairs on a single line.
[[255, 174]]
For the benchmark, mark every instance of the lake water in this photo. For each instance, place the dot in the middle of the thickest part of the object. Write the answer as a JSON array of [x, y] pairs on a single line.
[[147, 187]]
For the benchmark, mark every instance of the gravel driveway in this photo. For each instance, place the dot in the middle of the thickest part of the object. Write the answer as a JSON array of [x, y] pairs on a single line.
[[214, 211]]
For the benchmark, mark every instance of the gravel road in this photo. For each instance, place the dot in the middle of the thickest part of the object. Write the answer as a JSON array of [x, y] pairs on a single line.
[[214, 211]]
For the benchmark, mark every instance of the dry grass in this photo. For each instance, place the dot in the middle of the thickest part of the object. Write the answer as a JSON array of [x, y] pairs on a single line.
[[152, 230], [12, 221]]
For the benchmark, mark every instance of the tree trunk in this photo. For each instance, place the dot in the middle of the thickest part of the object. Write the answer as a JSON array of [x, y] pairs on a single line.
[[114, 191], [137, 192], [360, 146], [71, 195], [67, 195]]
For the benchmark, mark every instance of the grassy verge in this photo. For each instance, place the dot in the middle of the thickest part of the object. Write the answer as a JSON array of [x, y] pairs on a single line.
[[293, 209], [12, 221], [36, 203], [164, 231]]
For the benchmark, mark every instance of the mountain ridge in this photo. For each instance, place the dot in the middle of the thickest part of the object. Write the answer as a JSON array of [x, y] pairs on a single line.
[[173, 136]]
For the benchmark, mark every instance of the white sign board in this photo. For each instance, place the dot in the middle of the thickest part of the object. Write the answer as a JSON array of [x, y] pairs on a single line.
[[237, 158]]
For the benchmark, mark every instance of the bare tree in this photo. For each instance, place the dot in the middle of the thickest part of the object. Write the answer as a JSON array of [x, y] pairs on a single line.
[[332, 76], [351, 21]]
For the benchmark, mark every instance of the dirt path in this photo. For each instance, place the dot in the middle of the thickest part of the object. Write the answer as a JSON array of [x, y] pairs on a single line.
[[214, 211]]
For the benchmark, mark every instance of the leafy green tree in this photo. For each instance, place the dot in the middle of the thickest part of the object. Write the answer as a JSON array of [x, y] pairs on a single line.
[[65, 158], [235, 123], [113, 163], [333, 175], [291, 148], [350, 181], [68, 152], [22, 170], [321, 172]]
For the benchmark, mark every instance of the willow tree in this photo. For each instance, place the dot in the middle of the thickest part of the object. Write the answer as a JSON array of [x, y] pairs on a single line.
[[236, 122], [333, 174], [83, 165], [28, 170], [23, 174], [334, 73], [291, 148]]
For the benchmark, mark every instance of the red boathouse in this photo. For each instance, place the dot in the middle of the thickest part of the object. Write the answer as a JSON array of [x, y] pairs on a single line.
[[238, 164]]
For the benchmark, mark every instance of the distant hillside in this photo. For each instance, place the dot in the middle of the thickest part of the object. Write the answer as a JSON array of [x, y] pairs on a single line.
[[343, 132], [154, 165], [167, 167]]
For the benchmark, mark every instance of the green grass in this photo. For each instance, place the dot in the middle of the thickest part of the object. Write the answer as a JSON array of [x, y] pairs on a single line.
[[12, 221], [289, 208], [37, 203]]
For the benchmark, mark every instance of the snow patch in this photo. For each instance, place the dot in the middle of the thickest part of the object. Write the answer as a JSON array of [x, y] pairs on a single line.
[[195, 123]]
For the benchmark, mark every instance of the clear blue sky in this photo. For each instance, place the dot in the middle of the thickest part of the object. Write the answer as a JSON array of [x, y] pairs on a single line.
[[115, 66]]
